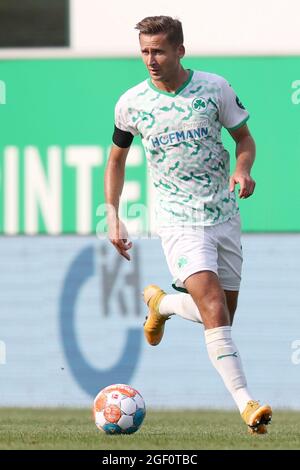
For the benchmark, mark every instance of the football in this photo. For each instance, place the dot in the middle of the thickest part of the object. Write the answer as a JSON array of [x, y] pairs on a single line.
[[119, 409]]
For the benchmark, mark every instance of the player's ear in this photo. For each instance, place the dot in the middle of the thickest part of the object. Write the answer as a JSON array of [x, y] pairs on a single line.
[[181, 51]]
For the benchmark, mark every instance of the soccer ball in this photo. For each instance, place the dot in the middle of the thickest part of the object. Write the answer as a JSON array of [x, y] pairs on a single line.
[[119, 409]]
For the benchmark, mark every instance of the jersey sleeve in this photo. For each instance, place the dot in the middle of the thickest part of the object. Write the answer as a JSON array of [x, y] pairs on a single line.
[[123, 120], [232, 113]]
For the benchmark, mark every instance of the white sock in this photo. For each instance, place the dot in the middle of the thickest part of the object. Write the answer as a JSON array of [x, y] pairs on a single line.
[[226, 359], [180, 304]]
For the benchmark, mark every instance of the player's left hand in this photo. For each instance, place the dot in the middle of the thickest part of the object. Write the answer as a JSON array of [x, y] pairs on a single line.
[[246, 182]]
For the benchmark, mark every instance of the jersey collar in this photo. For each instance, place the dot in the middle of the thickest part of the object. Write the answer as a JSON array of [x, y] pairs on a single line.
[[179, 90]]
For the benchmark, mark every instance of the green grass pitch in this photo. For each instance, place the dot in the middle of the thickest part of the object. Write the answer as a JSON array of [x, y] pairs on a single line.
[[201, 429]]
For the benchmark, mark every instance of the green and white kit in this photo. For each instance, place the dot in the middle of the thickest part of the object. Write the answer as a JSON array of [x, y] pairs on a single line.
[[181, 134]]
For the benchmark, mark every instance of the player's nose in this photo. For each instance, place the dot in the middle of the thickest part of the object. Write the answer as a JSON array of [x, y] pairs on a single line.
[[151, 60]]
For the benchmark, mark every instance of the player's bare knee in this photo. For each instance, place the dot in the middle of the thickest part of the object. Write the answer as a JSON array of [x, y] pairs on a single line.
[[215, 313]]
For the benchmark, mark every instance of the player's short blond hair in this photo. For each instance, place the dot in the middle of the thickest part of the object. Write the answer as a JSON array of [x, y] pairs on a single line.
[[162, 24]]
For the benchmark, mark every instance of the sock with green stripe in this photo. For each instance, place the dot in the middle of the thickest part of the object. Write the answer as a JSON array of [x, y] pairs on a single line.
[[225, 358]]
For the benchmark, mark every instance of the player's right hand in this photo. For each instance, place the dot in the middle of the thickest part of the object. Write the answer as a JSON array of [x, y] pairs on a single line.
[[118, 236]]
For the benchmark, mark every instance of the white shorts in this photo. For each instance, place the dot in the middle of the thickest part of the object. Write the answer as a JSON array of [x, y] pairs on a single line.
[[215, 248]]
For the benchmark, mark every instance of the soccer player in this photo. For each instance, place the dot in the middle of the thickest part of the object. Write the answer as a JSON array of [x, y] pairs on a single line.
[[179, 114]]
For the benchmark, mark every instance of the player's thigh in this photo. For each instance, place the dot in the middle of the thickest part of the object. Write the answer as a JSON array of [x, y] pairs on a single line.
[[207, 293], [230, 256]]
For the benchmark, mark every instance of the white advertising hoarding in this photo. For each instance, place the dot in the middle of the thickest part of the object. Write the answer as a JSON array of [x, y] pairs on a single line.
[[71, 319]]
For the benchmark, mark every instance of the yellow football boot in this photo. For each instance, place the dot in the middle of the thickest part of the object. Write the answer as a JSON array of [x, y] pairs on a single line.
[[257, 417], [155, 322], [260, 429]]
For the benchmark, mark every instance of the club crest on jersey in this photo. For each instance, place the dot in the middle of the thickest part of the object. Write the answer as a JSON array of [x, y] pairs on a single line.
[[199, 104]]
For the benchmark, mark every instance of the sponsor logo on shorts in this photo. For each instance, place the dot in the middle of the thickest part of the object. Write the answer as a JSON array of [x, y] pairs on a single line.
[[182, 261]]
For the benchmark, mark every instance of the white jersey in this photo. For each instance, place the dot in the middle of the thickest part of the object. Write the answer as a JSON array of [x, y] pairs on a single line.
[[181, 134]]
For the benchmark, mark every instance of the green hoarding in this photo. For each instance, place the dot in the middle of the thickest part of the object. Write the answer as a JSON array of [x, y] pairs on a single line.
[[56, 123]]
